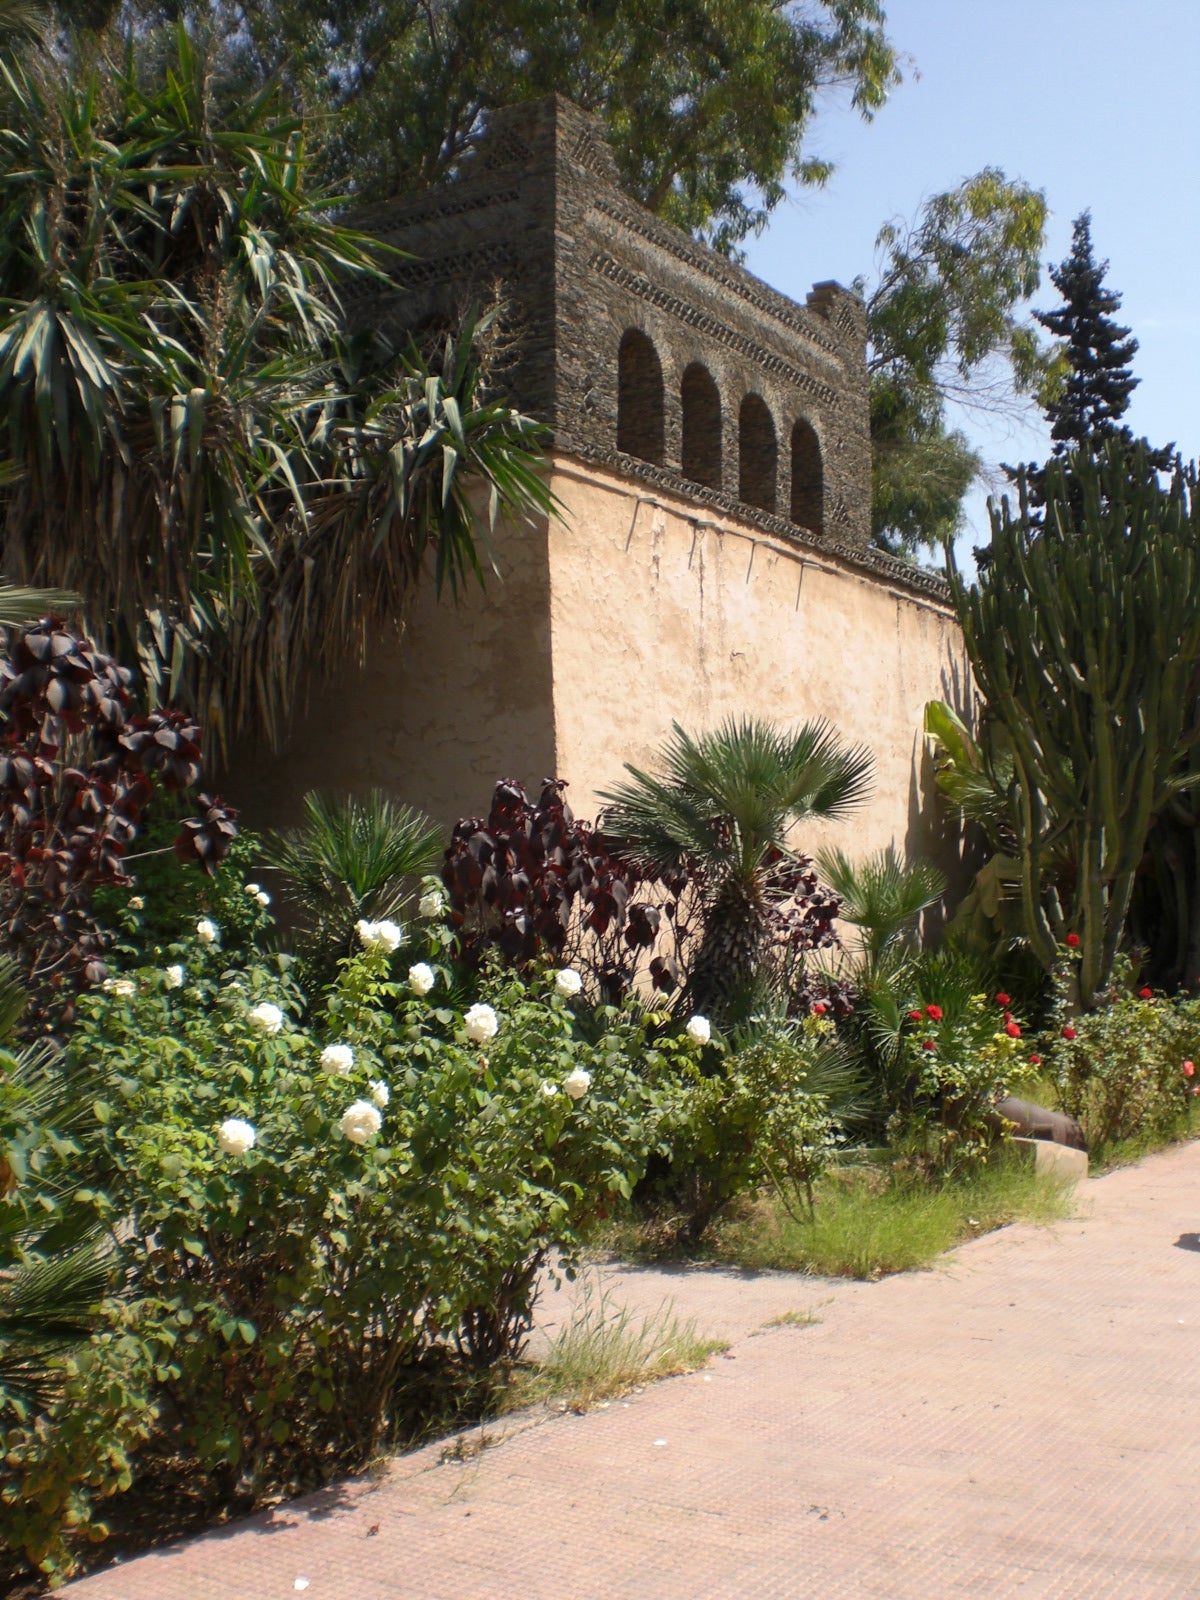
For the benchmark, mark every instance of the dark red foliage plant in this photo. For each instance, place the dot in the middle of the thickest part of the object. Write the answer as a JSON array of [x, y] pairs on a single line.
[[529, 881], [77, 771]]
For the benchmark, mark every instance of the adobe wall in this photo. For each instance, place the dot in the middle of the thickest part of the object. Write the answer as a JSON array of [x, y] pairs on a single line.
[[637, 610]]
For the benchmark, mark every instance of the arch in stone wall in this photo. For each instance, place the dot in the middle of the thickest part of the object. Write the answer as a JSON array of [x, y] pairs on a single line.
[[808, 478], [758, 454], [700, 399], [641, 429]]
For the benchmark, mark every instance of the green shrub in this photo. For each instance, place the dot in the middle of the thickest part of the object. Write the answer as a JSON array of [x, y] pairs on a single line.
[[320, 1223], [762, 1114], [1123, 1073]]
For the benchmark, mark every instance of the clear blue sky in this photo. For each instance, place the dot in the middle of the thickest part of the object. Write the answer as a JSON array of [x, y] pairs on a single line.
[[1094, 101]]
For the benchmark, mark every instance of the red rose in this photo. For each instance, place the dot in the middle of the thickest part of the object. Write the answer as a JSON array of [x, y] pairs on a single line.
[[818, 1009], [1069, 1033], [914, 1016], [1145, 994], [929, 1045], [1072, 941], [934, 1013], [1012, 1030], [1035, 1061], [1003, 999], [1189, 1068]]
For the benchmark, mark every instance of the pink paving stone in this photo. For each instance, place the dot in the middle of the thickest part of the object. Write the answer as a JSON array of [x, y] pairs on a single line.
[[1022, 1422]]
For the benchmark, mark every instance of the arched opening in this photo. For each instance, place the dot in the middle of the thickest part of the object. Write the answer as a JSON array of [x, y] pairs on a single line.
[[700, 457], [640, 428], [808, 479], [757, 454]]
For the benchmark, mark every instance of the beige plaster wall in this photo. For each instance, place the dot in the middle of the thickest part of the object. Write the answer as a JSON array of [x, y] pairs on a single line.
[[662, 611], [641, 608], [437, 713]]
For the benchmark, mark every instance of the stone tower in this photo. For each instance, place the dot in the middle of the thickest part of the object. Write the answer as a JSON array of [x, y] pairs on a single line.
[[709, 450]]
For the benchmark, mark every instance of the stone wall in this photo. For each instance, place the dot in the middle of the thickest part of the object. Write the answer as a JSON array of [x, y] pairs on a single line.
[[637, 610], [540, 216]]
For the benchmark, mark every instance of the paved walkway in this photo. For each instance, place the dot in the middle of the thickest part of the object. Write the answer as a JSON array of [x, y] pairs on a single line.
[[1023, 1422]]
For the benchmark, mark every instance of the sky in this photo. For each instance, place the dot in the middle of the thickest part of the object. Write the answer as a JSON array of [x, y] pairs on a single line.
[[1093, 101]]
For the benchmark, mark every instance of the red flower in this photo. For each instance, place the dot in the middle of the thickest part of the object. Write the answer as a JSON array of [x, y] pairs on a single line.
[[1012, 1030], [1196, 1090], [914, 1016], [1145, 994], [1189, 1068], [1003, 999], [818, 1009], [1072, 941], [1035, 1061], [929, 1045], [934, 1013], [1069, 1033]]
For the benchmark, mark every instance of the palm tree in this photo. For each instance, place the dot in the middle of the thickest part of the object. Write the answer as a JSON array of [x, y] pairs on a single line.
[[236, 486], [722, 807], [882, 896], [352, 859]]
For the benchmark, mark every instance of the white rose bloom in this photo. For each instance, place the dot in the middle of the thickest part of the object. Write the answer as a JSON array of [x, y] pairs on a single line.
[[699, 1030], [173, 977], [250, 888], [263, 898], [338, 1060], [568, 981], [360, 1122], [577, 1083], [380, 1093], [266, 1017], [235, 1137], [207, 931], [122, 988], [481, 1024], [136, 903], [549, 1089], [421, 978], [389, 935], [431, 904]]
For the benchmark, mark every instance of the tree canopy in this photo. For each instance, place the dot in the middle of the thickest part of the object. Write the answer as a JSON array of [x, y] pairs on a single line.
[[946, 324], [707, 104]]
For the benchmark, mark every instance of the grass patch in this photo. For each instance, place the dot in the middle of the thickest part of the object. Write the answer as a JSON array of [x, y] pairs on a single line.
[[1123, 1152], [866, 1225], [604, 1351]]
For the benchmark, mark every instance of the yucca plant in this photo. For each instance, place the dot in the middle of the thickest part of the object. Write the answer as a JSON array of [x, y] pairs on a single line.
[[724, 805], [353, 858], [237, 487]]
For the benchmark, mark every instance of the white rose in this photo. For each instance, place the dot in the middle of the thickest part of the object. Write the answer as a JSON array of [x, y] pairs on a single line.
[[481, 1024], [263, 898], [431, 904], [549, 1089], [173, 977], [360, 1122], [379, 935], [136, 903], [123, 988], [207, 931], [235, 1137], [266, 1017], [250, 889], [577, 1083], [698, 1030], [380, 1093], [338, 1060], [568, 981], [421, 978]]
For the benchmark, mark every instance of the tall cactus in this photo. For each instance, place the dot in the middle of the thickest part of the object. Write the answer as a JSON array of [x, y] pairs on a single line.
[[1084, 636]]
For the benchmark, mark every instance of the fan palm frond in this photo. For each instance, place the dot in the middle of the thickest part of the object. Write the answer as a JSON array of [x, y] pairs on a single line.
[[47, 1306], [881, 894]]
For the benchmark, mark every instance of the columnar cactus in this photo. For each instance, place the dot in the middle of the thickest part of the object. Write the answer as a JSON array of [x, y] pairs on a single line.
[[1084, 638]]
